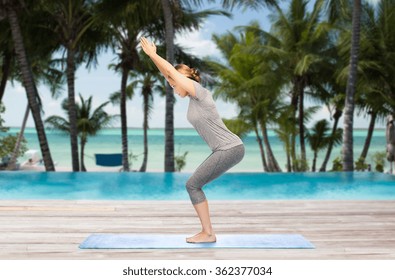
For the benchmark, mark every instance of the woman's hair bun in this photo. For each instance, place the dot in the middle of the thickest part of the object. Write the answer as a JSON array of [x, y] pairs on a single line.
[[195, 74], [191, 73]]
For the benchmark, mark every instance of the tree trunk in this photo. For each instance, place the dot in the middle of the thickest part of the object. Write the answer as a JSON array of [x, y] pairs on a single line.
[[301, 122], [294, 106], [336, 117], [259, 140], [273, 165], [82, 155], [124, 125], [12, 163], [293, 152], [348, 150], [143, 167], [169, 118], [288, 153], [5, 69], [314, 162], [72, 108], [289, 165], [30, 87], [365, 149]]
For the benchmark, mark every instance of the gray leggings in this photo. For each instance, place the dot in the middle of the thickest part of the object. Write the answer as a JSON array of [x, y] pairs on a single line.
[[214, 166]]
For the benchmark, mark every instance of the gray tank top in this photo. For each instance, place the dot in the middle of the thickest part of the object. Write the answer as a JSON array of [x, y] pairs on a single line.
[[203, 115]]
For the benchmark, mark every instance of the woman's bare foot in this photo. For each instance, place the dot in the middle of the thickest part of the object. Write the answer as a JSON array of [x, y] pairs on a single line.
[[202, 237]]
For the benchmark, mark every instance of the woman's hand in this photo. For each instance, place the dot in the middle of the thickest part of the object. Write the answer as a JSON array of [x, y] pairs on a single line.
[[148, 47]]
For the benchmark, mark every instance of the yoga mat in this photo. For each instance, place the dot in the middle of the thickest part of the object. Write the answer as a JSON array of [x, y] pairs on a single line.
[[177, 241]]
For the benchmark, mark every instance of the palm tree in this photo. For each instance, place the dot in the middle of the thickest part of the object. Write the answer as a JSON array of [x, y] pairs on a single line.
[[171, 12], [299, 42], [327, 88], [146, 78], [168, 13], [371, 104], [19, 140], [254, 4], [40, 59], [11, 8], [39, 48], [89, 122], [76, 28], [48, 76], [376, 64], [252, 123], [319, 138], [348, 149], [338, 104], [242, 81], [128, 20], [8, 143], [5, 69], [6, 55], [147, 82], [287, 127], [169, 117], [115, 99]]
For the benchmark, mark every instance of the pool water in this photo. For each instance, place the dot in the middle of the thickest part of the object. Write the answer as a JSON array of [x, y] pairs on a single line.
[[170, 186]]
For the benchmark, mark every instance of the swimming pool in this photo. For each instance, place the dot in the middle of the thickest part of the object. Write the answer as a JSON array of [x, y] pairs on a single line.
[[170, 186]]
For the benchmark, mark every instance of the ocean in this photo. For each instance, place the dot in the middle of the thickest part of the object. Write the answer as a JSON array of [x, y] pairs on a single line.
[[186, 140]]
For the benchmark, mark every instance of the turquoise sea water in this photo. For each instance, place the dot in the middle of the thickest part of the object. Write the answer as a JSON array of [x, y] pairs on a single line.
[[171, 186], [109, 141]]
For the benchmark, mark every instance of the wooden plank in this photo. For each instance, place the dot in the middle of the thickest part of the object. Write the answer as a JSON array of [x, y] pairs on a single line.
[[44, 229]]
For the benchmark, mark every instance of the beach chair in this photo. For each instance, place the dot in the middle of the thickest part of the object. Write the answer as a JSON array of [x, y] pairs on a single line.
[[108, 159]]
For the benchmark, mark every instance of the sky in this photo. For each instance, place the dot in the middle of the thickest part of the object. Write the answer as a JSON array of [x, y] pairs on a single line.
[[101, 82]]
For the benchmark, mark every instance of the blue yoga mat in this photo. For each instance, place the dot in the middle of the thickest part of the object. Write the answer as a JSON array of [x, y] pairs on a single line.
[[177, 241]]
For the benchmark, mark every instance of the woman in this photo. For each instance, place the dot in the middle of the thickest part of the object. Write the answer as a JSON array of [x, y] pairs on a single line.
[[227, 148]]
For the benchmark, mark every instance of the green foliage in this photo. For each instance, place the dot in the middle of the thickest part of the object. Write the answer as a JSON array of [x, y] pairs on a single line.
[[132, 158], [2, 110], [7, 145], [180, 161], [318, 137], [361, 165], [300, 165], [238, 126], [90, 120], [262, 69], [337, 164], [379, 161]]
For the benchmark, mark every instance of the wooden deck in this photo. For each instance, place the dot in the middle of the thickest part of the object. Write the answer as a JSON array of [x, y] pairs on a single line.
[[338, 229]]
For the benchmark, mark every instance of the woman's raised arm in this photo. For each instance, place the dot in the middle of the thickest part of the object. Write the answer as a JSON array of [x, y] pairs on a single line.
[[174, 77]]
